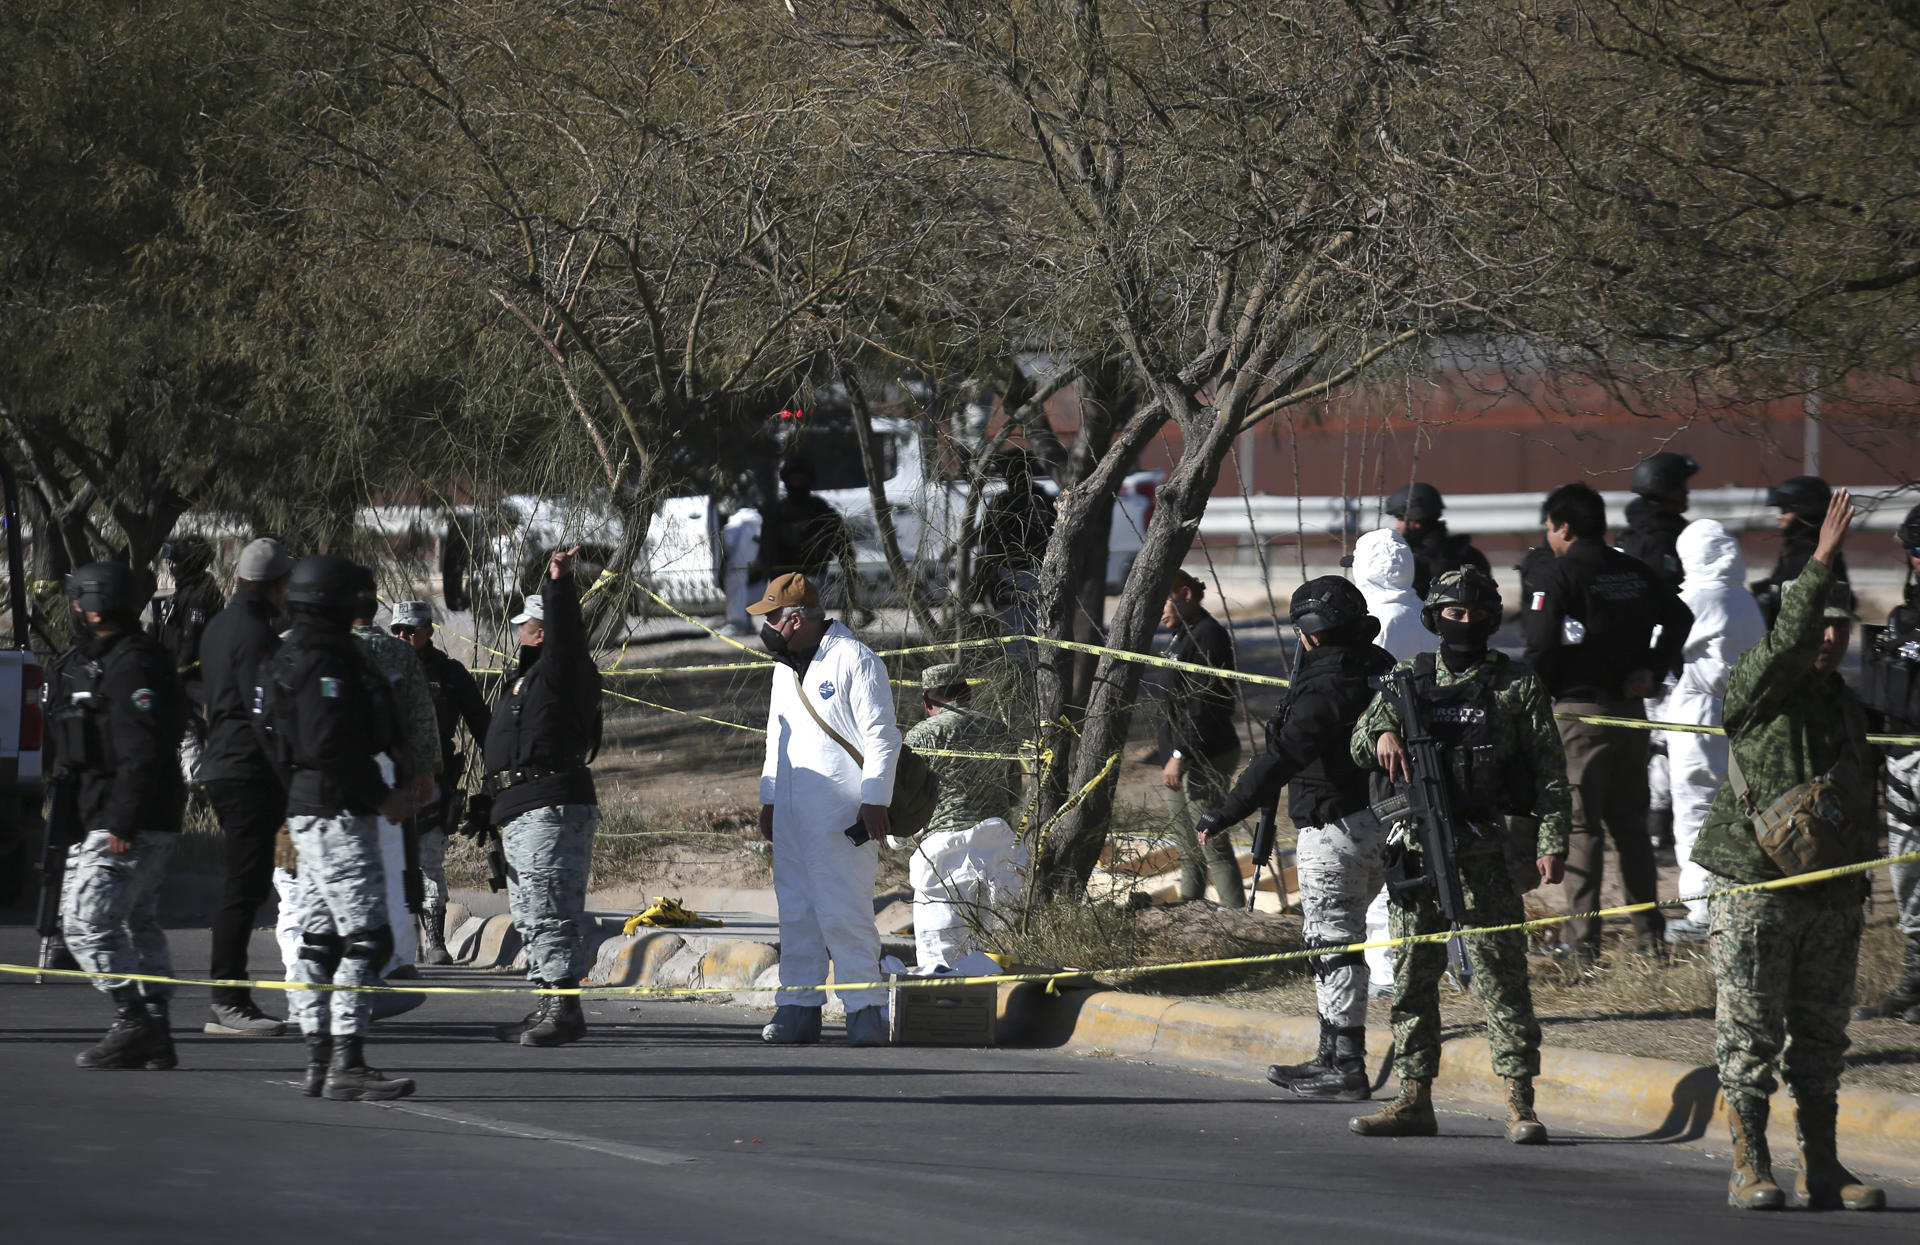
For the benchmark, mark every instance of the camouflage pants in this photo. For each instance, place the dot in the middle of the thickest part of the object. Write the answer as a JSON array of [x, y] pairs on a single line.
[[1499, 968], [548, 854], [1203, 787], [1903, 836], [340, 901], [1340, 873], [110, 910], [1783, 969]]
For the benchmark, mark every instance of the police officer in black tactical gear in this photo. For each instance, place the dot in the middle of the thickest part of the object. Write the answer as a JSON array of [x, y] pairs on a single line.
[[325, 714], [1308, 752], [1658, 514], [1802, 505], [1416, 511], [1590, 623], [540, 743], [1890, 688], [117, 712], [247, 797]]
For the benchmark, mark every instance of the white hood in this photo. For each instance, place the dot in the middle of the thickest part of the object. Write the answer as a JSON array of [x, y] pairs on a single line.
[[1710, 554], [1383, 571], [1382, 563]]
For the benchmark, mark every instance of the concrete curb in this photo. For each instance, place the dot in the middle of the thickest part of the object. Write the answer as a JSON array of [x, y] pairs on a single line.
[[660, 957], [1652, 1100]]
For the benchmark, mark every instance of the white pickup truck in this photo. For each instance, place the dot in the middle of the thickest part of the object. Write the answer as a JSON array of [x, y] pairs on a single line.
[[693, 546]]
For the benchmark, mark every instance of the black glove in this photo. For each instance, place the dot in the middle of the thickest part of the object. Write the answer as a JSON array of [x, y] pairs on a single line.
[[479, 815], [1209, 823]]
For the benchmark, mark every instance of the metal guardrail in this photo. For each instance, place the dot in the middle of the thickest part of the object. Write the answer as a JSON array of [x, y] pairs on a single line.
[[1740, 509]]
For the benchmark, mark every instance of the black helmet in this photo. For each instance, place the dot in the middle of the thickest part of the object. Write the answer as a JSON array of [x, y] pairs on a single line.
[[1325, 604], [106, 588], [1664, 473], [188, 555], [1805, 496], [1909, 532], [324, 582], [1469, 586], [1416, 503]]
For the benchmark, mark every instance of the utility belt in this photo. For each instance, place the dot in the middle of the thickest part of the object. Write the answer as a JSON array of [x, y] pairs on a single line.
[[503, 780]]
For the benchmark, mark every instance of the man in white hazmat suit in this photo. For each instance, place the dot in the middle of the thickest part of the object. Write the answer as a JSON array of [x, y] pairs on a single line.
[[1726, 623], [832, 746], [1381, 566]]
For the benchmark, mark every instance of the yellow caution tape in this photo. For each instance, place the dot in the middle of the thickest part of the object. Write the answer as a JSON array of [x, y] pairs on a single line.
[[1052, 978], [1690, 728]]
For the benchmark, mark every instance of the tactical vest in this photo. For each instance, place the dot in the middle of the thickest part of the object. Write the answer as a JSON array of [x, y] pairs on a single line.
[[1460, 716], [1890, 668], [275, 702], [77, 717]]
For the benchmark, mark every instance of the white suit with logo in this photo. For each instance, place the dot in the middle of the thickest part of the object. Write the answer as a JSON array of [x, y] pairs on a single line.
[[1726, 623], [823, 883], [1383, 571]]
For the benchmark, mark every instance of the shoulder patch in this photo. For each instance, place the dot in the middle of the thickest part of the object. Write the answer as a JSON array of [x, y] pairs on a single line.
[[143, 699], [1539, 601], [329, 688], [826, 689]]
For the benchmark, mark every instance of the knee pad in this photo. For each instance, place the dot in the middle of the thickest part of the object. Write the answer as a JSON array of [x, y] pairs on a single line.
[[322, 949], [372, 947], [1324, 966]]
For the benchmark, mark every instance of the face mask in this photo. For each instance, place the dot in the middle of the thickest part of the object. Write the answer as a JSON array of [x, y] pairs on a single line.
[[1462, 642], [771, 637]]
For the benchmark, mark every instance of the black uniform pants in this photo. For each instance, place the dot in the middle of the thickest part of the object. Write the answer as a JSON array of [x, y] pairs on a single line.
[[251, 813]]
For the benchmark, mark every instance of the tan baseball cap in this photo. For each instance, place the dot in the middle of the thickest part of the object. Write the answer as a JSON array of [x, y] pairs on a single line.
[[786, 592]]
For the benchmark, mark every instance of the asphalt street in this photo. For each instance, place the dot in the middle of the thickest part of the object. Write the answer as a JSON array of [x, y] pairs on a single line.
[[672, 1122]]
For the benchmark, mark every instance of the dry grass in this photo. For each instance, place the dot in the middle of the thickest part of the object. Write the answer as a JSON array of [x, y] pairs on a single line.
[[635, 843]]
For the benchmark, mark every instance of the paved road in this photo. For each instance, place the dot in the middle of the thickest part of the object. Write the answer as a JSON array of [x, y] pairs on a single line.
[[671, 1122]]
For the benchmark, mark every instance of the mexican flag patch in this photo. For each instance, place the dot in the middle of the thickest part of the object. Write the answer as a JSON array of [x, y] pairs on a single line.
[[329, 688]]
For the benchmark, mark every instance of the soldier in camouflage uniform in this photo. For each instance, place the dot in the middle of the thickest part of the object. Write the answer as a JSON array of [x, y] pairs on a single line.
[[966, 863], [415, 764], [1494, 721], [1784, 960]]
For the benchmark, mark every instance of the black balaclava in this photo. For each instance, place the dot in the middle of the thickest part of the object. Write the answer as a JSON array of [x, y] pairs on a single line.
[[1464, 642]]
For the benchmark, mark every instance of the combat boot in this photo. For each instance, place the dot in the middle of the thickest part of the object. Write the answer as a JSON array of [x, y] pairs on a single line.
[[128, 1041], [160, 1052], [1409, 1115], [349, 1079], [542, 1004], [1823, 1184], [319, 1055], [1345, 1080], [561, 1022], [1751, 1186], [1523, 1126], [433, 941], [1285, 1074], [1904, 999]]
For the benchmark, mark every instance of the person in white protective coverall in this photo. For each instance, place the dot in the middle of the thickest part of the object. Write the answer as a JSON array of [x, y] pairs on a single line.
[[1726, 623], [967, 866], [825, 810], [1381, 566]]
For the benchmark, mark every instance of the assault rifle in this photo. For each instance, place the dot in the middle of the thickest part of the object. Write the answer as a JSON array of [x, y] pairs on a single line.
[[62, 831], [1425, 801], [1264, 832]]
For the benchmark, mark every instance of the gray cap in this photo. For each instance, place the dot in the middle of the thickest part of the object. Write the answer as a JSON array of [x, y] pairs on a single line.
[[264, 561], [944, 679], [411, 614], [534, 608]]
